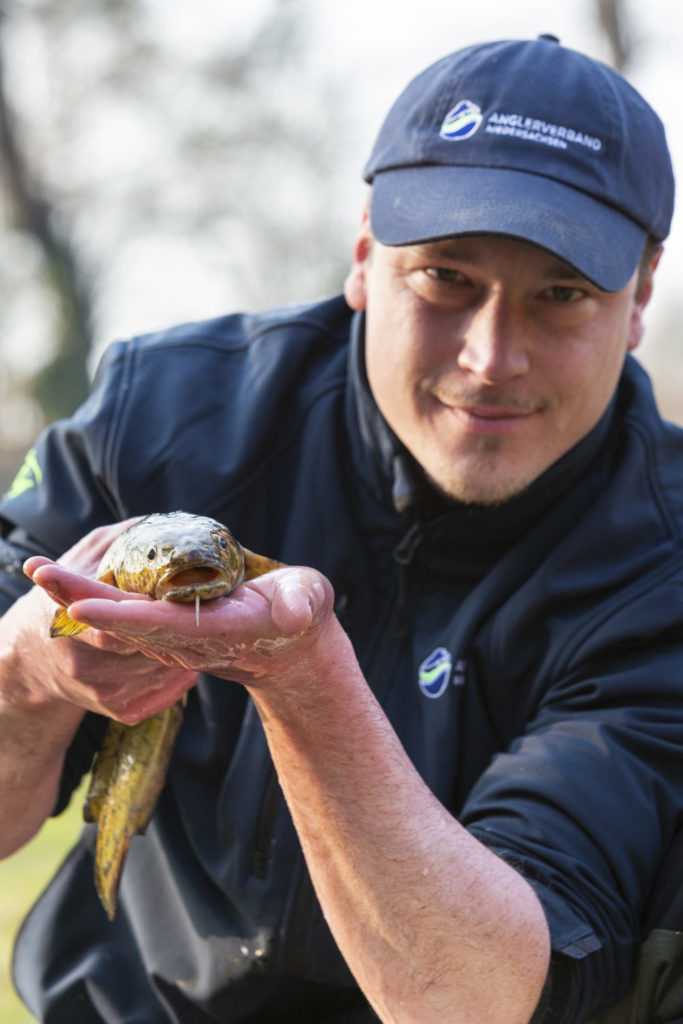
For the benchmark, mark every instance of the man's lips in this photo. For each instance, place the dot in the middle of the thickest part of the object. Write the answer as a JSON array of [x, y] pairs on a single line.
[[488, 412], [489, 418]]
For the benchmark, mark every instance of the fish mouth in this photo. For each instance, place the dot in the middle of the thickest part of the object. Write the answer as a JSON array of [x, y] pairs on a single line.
[[196, 581]]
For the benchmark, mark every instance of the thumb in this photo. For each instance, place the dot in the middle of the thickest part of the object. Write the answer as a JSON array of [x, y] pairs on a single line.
[[300, 599]]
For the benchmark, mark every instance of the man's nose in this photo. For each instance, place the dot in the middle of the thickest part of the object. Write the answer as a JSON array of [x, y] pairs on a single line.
[[494, 347]]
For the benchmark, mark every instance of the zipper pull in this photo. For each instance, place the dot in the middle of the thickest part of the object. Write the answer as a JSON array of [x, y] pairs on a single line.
[[404, 553], [409, 543]]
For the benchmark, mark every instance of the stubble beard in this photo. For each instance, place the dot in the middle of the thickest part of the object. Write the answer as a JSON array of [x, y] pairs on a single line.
[[478, 480]]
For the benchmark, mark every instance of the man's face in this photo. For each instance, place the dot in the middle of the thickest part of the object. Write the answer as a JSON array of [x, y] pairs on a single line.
[[488, 358]]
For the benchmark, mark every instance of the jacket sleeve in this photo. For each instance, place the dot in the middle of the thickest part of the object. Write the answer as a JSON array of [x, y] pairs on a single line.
[[60, 493], [14, 550], [63, 489], [587, 801]]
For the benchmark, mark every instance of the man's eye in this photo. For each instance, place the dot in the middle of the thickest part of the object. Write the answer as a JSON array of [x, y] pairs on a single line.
[[446, 274], [563, 293]]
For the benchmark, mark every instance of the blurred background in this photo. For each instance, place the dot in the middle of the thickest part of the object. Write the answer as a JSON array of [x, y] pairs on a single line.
[[163, 161]]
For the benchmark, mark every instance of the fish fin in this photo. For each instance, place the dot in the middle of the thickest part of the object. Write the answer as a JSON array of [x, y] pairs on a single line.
[[63, 625], [256, 565]]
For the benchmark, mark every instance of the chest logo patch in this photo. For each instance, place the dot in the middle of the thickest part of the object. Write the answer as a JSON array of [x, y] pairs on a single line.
[[434, 673], [30, 475]]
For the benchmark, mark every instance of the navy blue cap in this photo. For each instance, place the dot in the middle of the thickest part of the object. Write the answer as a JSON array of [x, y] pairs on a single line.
[[528, 140]]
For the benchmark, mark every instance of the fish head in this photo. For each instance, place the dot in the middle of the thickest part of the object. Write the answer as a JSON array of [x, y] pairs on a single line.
[[176, 556]]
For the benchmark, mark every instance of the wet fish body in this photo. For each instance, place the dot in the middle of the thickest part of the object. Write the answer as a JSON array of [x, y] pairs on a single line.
[[175, 557], [127, 780]]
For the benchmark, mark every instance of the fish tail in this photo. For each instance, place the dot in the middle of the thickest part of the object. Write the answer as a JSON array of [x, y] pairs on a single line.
[[110, 856], [108, 804], [128, 777], [63, 625]]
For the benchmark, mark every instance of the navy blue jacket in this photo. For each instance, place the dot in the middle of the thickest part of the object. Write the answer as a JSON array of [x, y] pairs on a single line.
[[554, 731]]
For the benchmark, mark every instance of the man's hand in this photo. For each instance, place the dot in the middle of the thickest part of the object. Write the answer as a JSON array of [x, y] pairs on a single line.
[[94, 671], [262, 630]]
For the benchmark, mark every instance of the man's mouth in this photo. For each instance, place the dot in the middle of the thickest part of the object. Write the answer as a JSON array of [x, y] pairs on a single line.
[[487, 417]]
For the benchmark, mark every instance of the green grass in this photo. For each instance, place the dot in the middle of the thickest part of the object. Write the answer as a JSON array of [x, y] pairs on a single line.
[[22, 877]]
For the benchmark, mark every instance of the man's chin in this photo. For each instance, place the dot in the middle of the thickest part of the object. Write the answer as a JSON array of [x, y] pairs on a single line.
[[481, 489]]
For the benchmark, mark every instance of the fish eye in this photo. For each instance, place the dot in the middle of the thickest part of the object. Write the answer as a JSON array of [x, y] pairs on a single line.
[[152, 554], [223, 542]]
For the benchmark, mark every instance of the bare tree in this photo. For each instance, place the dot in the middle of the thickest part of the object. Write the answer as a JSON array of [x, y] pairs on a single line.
[[136, 143], [615, 25], [63, 382]]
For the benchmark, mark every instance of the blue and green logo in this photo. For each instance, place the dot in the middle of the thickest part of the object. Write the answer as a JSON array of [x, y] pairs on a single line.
[[434, 673], [30, 475], [461, 122]]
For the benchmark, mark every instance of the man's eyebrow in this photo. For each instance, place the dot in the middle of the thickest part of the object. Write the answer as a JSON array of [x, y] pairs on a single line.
[[458, 250], [449, 248]]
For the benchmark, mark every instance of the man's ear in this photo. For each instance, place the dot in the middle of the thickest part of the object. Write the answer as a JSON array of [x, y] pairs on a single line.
[[355, 286], [642, 297]]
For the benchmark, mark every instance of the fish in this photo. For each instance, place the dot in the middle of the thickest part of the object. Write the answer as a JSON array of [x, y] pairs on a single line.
[[174, 556]]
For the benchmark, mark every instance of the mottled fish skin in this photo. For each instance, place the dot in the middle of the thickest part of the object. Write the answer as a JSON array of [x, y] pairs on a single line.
[[128, 777], [176, 557]]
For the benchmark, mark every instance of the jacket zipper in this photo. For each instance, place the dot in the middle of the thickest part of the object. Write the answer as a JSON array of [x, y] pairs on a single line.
[[304, 898], [403, 554]]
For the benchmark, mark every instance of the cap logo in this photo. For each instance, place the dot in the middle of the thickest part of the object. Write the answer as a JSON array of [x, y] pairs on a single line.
[[532, 129], [461, 122], [465, 118]]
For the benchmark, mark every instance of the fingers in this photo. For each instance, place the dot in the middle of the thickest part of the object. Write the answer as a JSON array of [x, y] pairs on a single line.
[[260, 632], [299, 598], [33, 563], [66, 586], [293, 600], [112, 676], [129, 696], [285, 603], [94, 671]]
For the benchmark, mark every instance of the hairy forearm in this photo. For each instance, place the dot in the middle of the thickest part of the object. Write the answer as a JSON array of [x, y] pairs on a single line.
[[35, 731], [433, 925]]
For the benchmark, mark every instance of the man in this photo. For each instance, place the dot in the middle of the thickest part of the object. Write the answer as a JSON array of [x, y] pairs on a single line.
[[470, 680]]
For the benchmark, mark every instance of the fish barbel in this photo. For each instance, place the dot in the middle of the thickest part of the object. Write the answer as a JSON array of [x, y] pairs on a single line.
[[175, 557]]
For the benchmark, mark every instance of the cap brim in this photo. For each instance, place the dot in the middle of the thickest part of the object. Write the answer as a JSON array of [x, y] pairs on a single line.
[[410, 205]]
